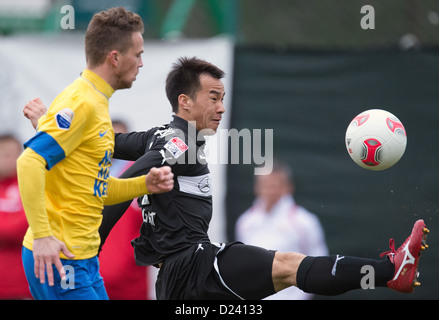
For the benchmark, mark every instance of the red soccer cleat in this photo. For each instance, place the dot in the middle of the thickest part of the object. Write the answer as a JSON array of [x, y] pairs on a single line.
[[406, 259]]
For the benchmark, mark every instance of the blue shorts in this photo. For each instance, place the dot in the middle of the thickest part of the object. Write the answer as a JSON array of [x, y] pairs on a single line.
[[83, 280]]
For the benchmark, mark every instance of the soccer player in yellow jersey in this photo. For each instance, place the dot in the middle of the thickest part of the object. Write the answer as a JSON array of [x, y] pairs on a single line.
[[64, 171]]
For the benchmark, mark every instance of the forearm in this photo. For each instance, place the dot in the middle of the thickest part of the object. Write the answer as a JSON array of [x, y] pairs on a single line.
[[121, 190], [31, 175]]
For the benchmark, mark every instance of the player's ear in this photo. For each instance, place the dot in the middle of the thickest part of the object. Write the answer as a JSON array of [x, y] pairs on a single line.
[[113, 57], [184, 102]]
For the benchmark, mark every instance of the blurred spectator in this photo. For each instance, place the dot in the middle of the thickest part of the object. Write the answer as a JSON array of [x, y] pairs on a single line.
[[13, 223], [123, 279], [275, 221]]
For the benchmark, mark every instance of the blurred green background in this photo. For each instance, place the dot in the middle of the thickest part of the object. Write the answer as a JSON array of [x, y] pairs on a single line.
[[290, 23]]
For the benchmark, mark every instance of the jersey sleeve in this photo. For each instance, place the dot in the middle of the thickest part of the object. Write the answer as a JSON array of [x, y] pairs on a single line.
[[121, 190], [60, 131], [130, 146], [30, 167]]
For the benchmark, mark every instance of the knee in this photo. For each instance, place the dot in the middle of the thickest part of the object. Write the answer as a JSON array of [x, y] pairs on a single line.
[[285, 265]]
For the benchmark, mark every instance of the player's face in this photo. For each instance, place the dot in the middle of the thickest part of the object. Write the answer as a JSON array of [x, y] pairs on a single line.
[[207, 107], [129, 62]]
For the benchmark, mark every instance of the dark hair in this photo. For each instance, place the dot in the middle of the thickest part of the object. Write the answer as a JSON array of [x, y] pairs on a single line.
[[110, 30], [184, 78]]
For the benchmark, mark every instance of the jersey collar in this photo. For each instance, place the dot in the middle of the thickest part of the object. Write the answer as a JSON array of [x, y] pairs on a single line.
[[183, 125], [98, 83]]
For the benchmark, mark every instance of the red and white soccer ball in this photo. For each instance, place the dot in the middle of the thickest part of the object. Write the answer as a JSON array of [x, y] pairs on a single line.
[[376, 139]]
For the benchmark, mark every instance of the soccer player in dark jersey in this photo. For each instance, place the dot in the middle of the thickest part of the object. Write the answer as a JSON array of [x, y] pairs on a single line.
[[174, 238]]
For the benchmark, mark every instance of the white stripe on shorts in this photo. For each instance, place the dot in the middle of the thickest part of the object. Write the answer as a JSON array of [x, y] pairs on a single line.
[[215, 265]]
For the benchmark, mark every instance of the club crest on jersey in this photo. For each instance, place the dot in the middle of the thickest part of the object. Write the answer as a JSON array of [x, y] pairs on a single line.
[[64, 118], [176, 147]]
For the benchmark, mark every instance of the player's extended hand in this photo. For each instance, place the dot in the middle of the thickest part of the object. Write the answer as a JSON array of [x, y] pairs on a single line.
[[46, 252], [33, 110], [160, 180]]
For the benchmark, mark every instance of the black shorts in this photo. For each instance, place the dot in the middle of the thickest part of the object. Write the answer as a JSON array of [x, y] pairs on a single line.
[[217, 271]]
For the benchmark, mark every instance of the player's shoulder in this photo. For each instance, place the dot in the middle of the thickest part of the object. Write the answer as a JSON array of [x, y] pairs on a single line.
[[75, 95], [164, 131], [163, 134]]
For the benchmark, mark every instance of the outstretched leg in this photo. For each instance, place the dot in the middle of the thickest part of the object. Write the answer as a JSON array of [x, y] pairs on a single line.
[[338, 274], [255, 273]]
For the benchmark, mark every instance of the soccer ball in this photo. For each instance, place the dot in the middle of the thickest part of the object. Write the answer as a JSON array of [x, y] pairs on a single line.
[[376, 139]]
